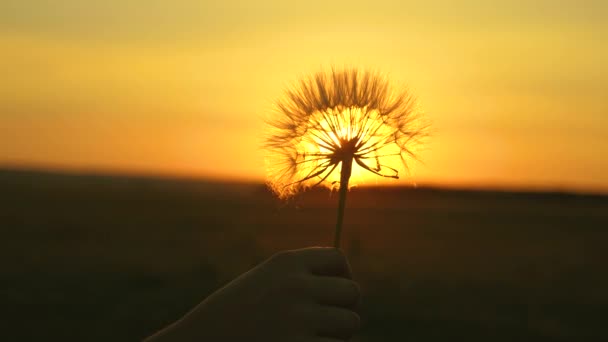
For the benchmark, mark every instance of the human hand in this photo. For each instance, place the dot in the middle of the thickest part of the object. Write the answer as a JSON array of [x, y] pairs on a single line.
[[303, 295]]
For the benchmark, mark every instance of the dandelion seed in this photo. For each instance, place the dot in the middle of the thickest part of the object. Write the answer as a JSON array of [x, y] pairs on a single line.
[[334, 121]]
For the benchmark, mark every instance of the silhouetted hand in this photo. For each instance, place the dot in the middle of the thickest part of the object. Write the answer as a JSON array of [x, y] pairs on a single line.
[[300, 295]]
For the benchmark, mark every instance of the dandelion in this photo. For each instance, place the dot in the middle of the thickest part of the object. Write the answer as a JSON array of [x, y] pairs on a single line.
[[335, 121]]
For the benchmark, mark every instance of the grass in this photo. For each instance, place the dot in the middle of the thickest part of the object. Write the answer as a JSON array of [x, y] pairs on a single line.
[[101, 258]]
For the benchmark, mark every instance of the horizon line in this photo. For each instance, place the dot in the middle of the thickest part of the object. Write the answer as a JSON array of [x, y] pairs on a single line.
[[159, 175]]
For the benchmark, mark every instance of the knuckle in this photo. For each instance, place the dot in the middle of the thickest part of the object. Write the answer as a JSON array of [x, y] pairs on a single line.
[[342, 320], [356, 290], [339, 255], [350, 292], [352, 321]]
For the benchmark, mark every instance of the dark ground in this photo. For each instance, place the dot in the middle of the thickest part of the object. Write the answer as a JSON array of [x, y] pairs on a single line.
[[92, 258]]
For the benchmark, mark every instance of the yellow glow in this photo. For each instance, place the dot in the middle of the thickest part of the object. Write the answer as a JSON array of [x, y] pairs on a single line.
[[331, 128], [515, 91]]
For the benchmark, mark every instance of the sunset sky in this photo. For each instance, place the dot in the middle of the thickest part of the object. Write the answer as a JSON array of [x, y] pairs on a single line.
[[517, 91]]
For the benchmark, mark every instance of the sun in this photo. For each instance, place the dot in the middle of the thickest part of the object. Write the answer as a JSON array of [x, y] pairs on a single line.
[[336, 134], [338, 124]]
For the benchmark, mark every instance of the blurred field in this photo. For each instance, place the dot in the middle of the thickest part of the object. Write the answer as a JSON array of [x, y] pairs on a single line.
[[95, 258]]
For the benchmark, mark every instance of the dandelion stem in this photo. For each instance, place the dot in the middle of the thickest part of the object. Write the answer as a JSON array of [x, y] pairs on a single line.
[[345, 172]]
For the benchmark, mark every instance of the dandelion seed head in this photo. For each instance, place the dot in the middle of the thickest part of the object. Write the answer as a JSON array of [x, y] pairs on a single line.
[[335, 115]]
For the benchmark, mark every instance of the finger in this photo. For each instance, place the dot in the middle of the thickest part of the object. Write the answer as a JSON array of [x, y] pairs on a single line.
[[327, 261], [334, 291], [337, 322]]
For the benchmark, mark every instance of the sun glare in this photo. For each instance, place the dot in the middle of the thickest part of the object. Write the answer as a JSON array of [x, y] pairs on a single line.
[[333, 129], [339, 124]]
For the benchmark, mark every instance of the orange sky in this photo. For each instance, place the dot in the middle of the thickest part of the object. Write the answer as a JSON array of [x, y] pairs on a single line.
[[516, 92]]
